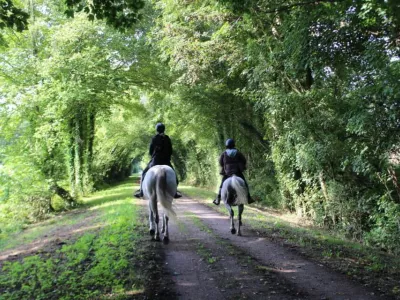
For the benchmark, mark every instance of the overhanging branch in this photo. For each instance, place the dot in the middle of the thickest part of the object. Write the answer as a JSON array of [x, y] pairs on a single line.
[[289, 7]]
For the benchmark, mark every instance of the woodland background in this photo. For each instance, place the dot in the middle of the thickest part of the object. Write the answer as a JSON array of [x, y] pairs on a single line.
[[310, 91]]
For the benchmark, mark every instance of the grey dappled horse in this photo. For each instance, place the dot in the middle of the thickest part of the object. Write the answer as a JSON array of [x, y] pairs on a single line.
[[234, 193], [159, 185]]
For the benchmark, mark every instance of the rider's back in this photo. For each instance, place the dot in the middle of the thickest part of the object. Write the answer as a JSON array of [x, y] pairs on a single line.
[[233, 162], [161, 149]]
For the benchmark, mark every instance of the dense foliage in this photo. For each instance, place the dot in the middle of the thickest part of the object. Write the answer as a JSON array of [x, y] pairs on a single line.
[[309, 90]]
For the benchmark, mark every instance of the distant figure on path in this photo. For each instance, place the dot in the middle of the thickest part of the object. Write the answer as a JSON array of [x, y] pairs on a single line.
[[232, 162], [160, 151]]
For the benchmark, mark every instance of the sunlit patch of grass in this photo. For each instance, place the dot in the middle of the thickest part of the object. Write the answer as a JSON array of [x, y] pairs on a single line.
[[98, 201], [181, 226], [97, 265], [36, 231], [118, 192], [123, 294], [199, 224], [196, 192]]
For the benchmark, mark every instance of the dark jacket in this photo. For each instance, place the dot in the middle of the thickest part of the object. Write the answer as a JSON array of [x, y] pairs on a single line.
[[232, 162], [160, 150]]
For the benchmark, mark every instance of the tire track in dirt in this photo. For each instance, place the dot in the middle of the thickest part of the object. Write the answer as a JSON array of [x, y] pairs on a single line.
[[202, 265], [270, 272]]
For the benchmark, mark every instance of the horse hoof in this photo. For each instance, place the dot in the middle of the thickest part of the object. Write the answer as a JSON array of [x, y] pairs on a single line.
[[152, 232], [166, 240], [157, 238], [233, 230], [239, 233]]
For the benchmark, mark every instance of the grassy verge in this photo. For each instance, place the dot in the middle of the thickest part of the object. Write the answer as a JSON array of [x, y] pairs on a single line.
[[102, 263], [41, 229], [90, 206], [365, 264]]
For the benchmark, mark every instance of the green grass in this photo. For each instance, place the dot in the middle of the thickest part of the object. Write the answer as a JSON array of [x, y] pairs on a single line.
[[206, 254], [196, 192], [182, 227], [99, 264], [201, 249], [39, 230], [89, 204], [198, 223], [112, 193]]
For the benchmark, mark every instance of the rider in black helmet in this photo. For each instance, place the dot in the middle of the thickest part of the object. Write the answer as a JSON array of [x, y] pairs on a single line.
[[160, 151], [232, 162]]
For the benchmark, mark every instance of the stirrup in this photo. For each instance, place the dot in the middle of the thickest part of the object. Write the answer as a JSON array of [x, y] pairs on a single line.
[[217, 201], [177, 195]]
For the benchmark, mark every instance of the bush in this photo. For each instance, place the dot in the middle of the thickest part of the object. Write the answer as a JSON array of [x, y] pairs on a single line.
[[385, 232]]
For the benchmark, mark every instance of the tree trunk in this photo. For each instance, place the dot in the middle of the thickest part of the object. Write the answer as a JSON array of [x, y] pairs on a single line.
[[63, 194], [91, 128], [88, 136], [71, 158], [78, 155]]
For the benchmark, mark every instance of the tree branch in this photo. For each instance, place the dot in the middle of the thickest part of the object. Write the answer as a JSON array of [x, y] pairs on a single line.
[[288, 7]]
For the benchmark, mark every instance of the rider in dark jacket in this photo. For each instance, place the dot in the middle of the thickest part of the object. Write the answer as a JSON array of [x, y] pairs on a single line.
[[160, 151], [232, 162]]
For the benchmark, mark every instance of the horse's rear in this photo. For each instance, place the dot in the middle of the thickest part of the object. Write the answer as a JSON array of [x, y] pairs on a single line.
[[159, 185], [234, 193]]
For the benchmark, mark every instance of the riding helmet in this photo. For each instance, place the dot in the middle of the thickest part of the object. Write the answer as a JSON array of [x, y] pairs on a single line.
[[230, 143], [160, 127]]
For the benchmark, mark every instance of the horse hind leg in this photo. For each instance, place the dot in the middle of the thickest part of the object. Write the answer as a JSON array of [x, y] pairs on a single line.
[[231, 215], [157, 219], [154, 219], [166, 233], [240, 211], [163, 225], [151, 221]]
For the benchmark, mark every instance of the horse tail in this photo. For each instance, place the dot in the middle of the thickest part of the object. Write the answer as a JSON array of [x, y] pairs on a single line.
[[163, 195], [241, 190]]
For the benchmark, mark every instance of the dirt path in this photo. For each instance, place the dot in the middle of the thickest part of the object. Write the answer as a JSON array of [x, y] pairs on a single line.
[[206, 261], [55, 236]]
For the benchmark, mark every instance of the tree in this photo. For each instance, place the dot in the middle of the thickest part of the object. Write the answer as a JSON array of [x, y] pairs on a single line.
[[63, 79], [12, 16]]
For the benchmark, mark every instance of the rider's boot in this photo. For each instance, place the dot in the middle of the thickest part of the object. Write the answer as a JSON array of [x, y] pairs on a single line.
[[177, 195], [138, 193], [217, 200], [250, 200]]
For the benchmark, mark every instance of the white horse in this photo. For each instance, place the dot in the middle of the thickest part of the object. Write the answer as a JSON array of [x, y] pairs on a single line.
[[234, 193], [159, 185]]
